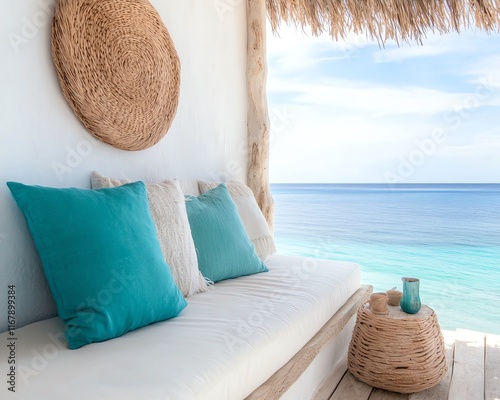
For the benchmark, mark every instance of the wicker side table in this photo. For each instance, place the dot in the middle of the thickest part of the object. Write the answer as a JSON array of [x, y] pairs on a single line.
[[397, 352]]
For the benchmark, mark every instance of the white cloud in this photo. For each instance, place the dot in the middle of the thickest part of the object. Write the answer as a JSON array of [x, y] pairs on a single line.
[[485, 71], [355, 146], [355, 130], [399, 54], [433, 45], [368, 97], [292, 50], [338, 148]]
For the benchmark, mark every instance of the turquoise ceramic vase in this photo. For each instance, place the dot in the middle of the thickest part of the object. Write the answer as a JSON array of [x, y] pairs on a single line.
[[410, 303]]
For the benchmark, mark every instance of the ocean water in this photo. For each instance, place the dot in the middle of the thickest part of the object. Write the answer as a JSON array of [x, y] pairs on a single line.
[[447, 235]]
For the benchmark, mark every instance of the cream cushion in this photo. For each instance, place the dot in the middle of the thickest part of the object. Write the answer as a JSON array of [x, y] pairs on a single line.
[[168, 208], [251, 215]]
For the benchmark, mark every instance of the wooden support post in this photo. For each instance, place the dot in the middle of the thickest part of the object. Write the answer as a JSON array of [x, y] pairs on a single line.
[[258, 115]]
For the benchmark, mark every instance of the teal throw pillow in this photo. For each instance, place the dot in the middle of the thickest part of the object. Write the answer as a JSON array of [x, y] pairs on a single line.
[[101, 257], [222, 244]]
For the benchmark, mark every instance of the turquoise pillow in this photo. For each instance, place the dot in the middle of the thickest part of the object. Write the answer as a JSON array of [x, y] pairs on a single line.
[[222, 244], [101, 257]]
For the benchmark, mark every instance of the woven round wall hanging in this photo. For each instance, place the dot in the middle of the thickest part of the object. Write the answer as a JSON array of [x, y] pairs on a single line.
[[118, 69]]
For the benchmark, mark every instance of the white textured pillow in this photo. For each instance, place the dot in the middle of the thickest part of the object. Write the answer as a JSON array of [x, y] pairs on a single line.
[[251, 215], [168, 208]]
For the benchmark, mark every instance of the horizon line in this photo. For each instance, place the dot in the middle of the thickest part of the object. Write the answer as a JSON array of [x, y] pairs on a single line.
[[385, 183]]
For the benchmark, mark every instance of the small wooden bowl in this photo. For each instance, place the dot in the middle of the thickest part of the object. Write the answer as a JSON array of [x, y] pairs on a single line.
[[394, 297]]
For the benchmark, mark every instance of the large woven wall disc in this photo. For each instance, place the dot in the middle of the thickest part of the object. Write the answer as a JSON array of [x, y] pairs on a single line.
[[118, 69]]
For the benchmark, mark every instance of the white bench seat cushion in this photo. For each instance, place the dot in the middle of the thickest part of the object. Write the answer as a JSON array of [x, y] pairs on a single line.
[[226, 343]]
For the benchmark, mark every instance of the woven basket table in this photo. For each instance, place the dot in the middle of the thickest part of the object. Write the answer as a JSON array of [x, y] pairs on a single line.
[[398, 352]]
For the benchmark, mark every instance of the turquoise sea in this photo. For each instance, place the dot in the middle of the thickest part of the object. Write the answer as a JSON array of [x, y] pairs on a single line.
[[447, 235]]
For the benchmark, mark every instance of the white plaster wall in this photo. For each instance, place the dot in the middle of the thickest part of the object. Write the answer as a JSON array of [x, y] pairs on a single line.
[[42, 142]]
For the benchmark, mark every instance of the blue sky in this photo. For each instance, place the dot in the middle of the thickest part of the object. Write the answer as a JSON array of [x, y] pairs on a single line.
[[350, 111]]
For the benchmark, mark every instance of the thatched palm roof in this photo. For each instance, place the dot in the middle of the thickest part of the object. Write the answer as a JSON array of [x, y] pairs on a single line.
[[405, 20]]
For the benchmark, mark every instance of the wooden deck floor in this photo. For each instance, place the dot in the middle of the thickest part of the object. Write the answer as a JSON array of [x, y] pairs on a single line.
[[473, 374]]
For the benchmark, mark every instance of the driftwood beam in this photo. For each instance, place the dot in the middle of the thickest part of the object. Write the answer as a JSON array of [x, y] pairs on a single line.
[[258, 115]]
